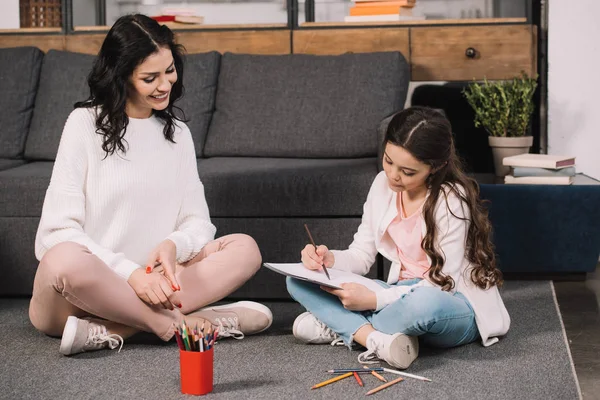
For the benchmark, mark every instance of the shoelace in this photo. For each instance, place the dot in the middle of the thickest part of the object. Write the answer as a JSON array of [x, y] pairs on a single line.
[[97, 336], [229, 327], [370, 356], [326, 332]]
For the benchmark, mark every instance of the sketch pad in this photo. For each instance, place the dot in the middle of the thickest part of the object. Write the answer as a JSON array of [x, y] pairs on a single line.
[[299, 271]]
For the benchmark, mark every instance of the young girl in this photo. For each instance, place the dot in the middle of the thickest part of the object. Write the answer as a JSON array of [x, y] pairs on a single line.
[[424, 215], [125, 240]]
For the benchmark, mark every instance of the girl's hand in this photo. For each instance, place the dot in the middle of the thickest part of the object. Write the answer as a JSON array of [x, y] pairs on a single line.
[[165, 254], [153, 288], [315, 260], [354, 296]]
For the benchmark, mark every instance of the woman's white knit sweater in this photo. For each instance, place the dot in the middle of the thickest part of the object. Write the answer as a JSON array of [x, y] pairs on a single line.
[[122, 205]]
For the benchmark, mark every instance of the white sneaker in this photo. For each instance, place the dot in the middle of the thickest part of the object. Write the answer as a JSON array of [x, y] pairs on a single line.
[[82, 335], [237, 319], [309, 329], [398, 350]]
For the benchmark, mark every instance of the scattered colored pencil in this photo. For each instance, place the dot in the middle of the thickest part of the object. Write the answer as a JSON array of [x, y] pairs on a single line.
[[385, 385], [375, 374], [393, 371], [359, 370], [357, 378], [327, 382]]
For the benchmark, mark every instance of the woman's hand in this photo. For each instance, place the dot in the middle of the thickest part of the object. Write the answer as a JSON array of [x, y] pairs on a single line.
[[354, 296], [153, 288], [315, 260], [165, 254]]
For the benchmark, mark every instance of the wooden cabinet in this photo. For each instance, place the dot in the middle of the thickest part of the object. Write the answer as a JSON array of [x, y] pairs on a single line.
[[451, 52]]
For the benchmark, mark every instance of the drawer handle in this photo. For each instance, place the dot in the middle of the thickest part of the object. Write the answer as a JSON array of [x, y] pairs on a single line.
[[471, 52]]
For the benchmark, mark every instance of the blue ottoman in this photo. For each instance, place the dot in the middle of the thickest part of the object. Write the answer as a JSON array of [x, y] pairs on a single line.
[[544, 229]]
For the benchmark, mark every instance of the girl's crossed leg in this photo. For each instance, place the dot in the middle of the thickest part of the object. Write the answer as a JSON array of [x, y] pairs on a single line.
[[438, 318]]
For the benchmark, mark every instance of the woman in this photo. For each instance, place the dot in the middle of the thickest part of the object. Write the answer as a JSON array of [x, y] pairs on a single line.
[[125, 240], [425, 216]]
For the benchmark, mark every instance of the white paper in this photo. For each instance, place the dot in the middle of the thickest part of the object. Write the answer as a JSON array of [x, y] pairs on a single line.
[[299, 271]]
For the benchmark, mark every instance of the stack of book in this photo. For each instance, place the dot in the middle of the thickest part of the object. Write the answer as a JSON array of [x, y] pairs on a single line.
[[173, 16], [540, 169], [381, 10]]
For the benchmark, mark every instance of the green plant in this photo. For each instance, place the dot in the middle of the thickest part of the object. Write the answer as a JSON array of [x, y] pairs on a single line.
[[503, 108]]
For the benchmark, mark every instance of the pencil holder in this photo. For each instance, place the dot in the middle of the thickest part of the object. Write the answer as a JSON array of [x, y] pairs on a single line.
[[196, 371]]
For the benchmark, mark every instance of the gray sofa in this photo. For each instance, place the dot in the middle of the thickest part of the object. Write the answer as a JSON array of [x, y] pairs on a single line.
[[280, 140]]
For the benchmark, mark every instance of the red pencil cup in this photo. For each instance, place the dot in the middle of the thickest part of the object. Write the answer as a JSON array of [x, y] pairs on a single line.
[[196, 371]]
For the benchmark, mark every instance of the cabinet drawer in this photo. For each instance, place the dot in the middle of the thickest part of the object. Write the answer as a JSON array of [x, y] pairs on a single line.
[[463, 53]]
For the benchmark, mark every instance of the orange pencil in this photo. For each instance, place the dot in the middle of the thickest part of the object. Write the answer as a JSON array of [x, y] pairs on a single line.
[[328, 381], [358, 378], [376, 375], [385, 385]]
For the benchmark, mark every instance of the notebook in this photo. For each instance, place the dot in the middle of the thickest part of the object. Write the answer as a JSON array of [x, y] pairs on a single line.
[[539, 160], [299, 271]]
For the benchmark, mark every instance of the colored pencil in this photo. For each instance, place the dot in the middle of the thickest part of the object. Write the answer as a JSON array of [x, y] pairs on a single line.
[[385, 385], [357, 378], [359, 370], [375, 374], [393, 371], [328, 381], [178, 339]]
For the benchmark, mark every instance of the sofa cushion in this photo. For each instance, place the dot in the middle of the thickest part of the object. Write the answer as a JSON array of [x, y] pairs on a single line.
[[279, 187], [19, 75], [6, 164], [201, 73], [305, 106], [23, 189], [63, 82]]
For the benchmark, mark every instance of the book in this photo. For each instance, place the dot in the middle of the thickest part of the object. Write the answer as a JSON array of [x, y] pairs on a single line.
[[538, 180], [404, 3], [380, 18], [539, 160], [383, 3], [163, 18], [189, 19], [374, 10], [299, 271], [534, 171]]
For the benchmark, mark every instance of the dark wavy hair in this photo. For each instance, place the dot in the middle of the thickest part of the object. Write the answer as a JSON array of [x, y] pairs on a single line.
[[427, 135], [131, 40]]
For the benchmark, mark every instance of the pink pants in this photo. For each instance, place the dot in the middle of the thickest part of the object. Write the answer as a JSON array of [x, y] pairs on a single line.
[[70, 280]]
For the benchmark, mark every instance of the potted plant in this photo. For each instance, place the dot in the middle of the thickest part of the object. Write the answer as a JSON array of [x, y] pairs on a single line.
[[503, 109]]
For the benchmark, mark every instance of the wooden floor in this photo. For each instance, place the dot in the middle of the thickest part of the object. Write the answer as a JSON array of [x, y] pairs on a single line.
[[579, 303]]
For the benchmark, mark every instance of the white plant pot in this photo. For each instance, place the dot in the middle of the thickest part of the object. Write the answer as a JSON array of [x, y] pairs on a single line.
[[506, 147]]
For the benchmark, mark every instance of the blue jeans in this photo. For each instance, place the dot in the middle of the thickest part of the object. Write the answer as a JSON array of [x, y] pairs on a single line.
[[441, 319]]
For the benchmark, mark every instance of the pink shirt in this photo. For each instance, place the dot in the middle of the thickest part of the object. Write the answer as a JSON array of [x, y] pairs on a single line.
[[406, 232]]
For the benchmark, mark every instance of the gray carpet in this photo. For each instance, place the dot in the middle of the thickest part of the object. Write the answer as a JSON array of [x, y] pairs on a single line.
[[531, 362]]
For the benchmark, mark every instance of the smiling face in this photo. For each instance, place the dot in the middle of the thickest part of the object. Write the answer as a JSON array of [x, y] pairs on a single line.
[[404, 171], [151, 84]]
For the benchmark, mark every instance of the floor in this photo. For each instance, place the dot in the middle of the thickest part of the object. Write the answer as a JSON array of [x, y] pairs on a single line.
[[579, 303]]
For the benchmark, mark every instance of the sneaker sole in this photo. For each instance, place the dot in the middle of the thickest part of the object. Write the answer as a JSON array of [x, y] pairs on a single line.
[[68, 336], [407, 349], [247, 304]]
